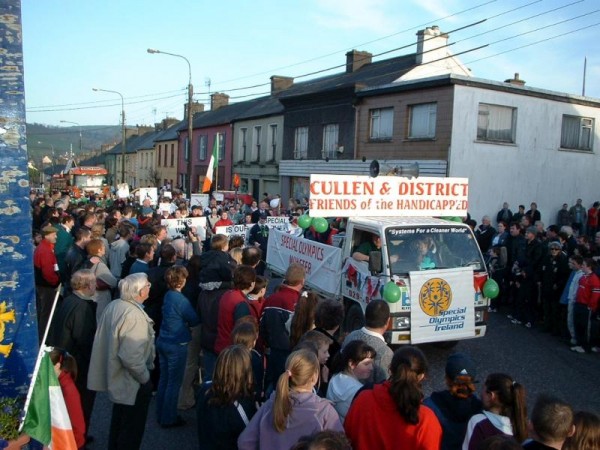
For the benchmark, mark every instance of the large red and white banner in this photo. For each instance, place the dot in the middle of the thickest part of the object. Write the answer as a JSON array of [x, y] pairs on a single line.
[[363, 196]]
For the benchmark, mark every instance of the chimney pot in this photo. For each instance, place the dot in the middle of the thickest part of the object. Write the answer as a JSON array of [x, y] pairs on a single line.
[[280, 83], [218, 100], [355, 59]]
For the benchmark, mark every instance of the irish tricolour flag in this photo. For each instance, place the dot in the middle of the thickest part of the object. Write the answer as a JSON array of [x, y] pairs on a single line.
[[214, 158], [47, 419]]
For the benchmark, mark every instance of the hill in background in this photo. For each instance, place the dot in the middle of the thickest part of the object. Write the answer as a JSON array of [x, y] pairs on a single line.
[[41, 139]]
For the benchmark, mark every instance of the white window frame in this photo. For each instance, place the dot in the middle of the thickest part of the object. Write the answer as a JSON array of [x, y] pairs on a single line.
[[256, 144], [422, 121], [330, 140], [577, 133], [271, 149], [490, 118], [243, 144], [221, 144], [202, 147], [381, 124], [301, 143]]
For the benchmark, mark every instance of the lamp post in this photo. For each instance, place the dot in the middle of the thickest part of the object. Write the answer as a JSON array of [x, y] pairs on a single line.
[[80, 140], [123, 137], [189, 117]]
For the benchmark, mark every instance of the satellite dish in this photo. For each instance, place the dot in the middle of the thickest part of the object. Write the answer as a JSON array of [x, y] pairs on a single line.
[[374, 168]]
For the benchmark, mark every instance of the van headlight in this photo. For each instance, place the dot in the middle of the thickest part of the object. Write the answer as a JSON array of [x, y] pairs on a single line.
[[479, 315], [401, 323]]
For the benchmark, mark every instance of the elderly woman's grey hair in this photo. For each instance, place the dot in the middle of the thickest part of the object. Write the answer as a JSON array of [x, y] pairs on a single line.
[[82, 279], [131, 285]]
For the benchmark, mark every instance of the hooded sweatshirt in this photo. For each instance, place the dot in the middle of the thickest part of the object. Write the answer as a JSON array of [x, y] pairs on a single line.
[[341, 391], [485, 425]]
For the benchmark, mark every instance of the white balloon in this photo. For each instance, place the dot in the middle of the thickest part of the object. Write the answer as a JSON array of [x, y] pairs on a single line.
[[274, 203]]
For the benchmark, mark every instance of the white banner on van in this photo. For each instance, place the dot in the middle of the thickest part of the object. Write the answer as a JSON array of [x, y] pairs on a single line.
[[363, 196], [322, 262], [442, 305], [176, 227]]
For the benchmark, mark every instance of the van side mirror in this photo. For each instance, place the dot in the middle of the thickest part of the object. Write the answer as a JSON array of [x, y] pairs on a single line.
[[375, 262]]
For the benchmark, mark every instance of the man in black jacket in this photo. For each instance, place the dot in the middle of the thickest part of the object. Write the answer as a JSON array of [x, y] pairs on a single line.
[[73, 328]]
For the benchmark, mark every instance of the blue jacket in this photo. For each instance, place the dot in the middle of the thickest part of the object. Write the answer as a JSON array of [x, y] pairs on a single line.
[[178, 317]]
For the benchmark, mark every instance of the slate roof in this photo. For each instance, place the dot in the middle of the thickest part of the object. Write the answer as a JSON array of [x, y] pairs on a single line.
[[170, 134]]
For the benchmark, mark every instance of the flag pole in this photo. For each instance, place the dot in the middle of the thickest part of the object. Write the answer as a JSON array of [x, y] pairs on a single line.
[[217, 166], [38, 361]]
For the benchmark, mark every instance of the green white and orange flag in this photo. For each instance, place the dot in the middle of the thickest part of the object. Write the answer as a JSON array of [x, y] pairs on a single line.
[[211, 166], [47, 419]]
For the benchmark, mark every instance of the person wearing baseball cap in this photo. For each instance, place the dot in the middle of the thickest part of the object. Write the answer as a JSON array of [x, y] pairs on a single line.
[[458, 403]]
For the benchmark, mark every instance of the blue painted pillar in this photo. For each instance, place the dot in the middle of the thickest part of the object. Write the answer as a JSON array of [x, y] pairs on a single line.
[[18, 329]]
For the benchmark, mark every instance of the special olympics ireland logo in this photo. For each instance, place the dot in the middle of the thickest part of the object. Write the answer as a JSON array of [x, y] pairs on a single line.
[[435, 297]]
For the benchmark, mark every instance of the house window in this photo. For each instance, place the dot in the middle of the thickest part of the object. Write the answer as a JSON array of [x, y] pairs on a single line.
[[272, 143], [422, 121], [165, 156], [381, 123], [172, 155], [330, 140], [186, 153], [159, 153], [202, 147], [256, 146], [301, 143], [243, 144], [496, 123], [577, 132], [221, 140]]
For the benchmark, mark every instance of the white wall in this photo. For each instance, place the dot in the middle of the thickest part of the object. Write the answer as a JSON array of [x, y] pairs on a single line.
[[534, 169]]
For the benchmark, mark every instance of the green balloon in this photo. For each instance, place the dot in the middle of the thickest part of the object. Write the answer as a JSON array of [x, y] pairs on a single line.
[[320, 224], [491, 288], [391, 292], [304, 221]]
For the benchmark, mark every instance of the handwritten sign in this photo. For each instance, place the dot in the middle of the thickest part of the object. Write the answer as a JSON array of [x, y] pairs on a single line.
[[199, 199], [150, 193], [363, 196], [177, 227]]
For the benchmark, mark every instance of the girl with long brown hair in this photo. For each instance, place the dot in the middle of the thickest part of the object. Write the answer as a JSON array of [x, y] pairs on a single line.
[[226, 404], [293, 411], [505, 411], [391, 415]]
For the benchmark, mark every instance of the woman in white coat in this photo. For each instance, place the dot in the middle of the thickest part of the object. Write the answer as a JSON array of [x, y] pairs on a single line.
[[105, 280]]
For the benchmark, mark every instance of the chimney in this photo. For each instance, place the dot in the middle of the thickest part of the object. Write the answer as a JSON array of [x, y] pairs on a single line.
[[516, 80], [356, 59], [170, 121], [218, 100], [431, 45], [279, 83], [196, 108]]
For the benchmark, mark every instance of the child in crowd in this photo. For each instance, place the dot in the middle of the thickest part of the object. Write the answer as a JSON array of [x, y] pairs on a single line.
[[587, 432], [551, 423], [352, 367], [303, 319], [455, 405], [66, 371], [245, 333], [505, 412], [226, 404], [293, 411], [391, 414], [322, 342], [256, 297]]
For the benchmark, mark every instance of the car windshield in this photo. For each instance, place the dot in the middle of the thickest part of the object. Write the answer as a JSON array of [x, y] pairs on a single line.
[[432, 247]]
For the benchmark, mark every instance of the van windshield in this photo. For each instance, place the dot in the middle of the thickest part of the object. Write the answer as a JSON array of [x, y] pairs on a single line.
[[432, 247]]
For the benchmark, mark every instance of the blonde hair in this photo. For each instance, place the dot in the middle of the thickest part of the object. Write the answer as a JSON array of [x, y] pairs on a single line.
[[236, 254], [300, 367]]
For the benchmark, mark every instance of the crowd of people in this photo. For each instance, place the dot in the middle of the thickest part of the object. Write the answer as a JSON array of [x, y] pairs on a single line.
[[188, 323], [549, 276]]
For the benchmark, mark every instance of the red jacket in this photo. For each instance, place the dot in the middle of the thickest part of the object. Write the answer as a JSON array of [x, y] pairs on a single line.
[[73, 403], [373, 422], [222, 223], [588, 292], [45, 264], [232, 306]]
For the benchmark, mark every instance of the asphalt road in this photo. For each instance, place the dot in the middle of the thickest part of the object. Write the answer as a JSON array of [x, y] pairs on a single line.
[[543, 364]]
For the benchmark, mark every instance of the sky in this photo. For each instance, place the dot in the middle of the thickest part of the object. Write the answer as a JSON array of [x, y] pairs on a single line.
[[72, 46]]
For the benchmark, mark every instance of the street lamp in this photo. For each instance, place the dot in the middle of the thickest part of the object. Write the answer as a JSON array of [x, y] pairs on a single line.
[[123, 137], [189, 116], [80, 140]]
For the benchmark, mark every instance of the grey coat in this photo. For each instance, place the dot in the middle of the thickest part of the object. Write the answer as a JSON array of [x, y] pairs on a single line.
[[123, 352]]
